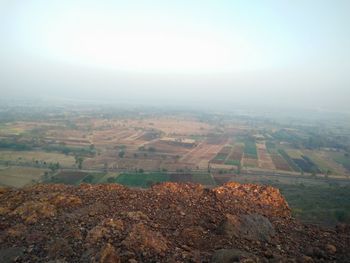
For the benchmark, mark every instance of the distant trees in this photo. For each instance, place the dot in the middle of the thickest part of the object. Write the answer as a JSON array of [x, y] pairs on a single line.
[[14, 145], [121, 154], [141, 148], [54, 166], [151, 149], [79, 161], [85, 151]]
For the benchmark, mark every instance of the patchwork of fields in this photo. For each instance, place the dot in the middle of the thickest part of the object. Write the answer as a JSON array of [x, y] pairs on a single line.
[[153, 149]]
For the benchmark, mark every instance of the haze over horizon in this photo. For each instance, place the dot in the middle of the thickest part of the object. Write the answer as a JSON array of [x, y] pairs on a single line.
[[256, 53]]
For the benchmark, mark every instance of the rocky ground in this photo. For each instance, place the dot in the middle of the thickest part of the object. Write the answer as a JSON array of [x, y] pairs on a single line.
[[166, 223]]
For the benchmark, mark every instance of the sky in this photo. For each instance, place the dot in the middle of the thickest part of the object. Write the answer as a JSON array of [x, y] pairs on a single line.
[[268, 53]]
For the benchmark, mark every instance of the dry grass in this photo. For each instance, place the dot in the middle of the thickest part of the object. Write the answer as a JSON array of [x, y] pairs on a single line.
[[32, 156], [19, 176]]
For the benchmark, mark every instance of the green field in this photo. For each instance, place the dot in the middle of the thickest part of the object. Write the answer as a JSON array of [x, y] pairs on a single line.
[[203, 178], [294, 154], [250, 149], [342, 159], [143, 180], [271, 147], [323, 165], [289, 160], [233, 162], [69, 177], [324, 204]]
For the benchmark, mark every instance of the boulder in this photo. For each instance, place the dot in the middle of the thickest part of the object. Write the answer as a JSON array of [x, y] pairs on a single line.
[[252, 227]]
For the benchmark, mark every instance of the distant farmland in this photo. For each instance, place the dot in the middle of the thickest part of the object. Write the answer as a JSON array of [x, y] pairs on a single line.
[[145, 180]]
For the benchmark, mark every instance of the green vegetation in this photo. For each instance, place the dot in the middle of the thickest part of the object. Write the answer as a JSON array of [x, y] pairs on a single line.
[[143, 180], [203, 178], [289, 160], [121, 154], [220, 157], [271, 147], [83, 151], [283, 135], [54, 166], [72, 178], [15, 146], [324, 204], [250, 148], [233, 162], [342, 159], [79, 161]]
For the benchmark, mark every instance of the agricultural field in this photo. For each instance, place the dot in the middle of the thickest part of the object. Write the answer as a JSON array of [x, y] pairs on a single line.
[[301, 161], [20, 176], [202, 154], [342, 159], [280, 163], [89, 144], [235, 158], [326, 162], [250, 149], [144, 180], [69, 177], [308, 161], [38, 158], [222, 156], [264, 158]]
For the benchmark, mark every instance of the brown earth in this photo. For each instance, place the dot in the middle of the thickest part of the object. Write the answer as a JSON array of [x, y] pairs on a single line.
[[168, 223]]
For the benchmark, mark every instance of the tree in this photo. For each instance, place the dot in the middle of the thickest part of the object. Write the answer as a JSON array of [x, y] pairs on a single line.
[[121, 154], [54, 166], [141, 148], [79, 161], [151, 149]]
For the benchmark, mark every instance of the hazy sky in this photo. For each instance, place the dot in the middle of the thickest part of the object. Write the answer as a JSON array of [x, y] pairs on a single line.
[[279, 53]]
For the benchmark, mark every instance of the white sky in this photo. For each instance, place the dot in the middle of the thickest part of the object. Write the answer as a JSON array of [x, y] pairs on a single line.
[[294, 52]]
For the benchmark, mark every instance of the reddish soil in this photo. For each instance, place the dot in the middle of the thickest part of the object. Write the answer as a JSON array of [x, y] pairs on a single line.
[[168, 223]]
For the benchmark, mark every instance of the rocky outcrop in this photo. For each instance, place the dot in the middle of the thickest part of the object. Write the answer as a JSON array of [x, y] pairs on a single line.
[[167, 223], [251, 227]]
